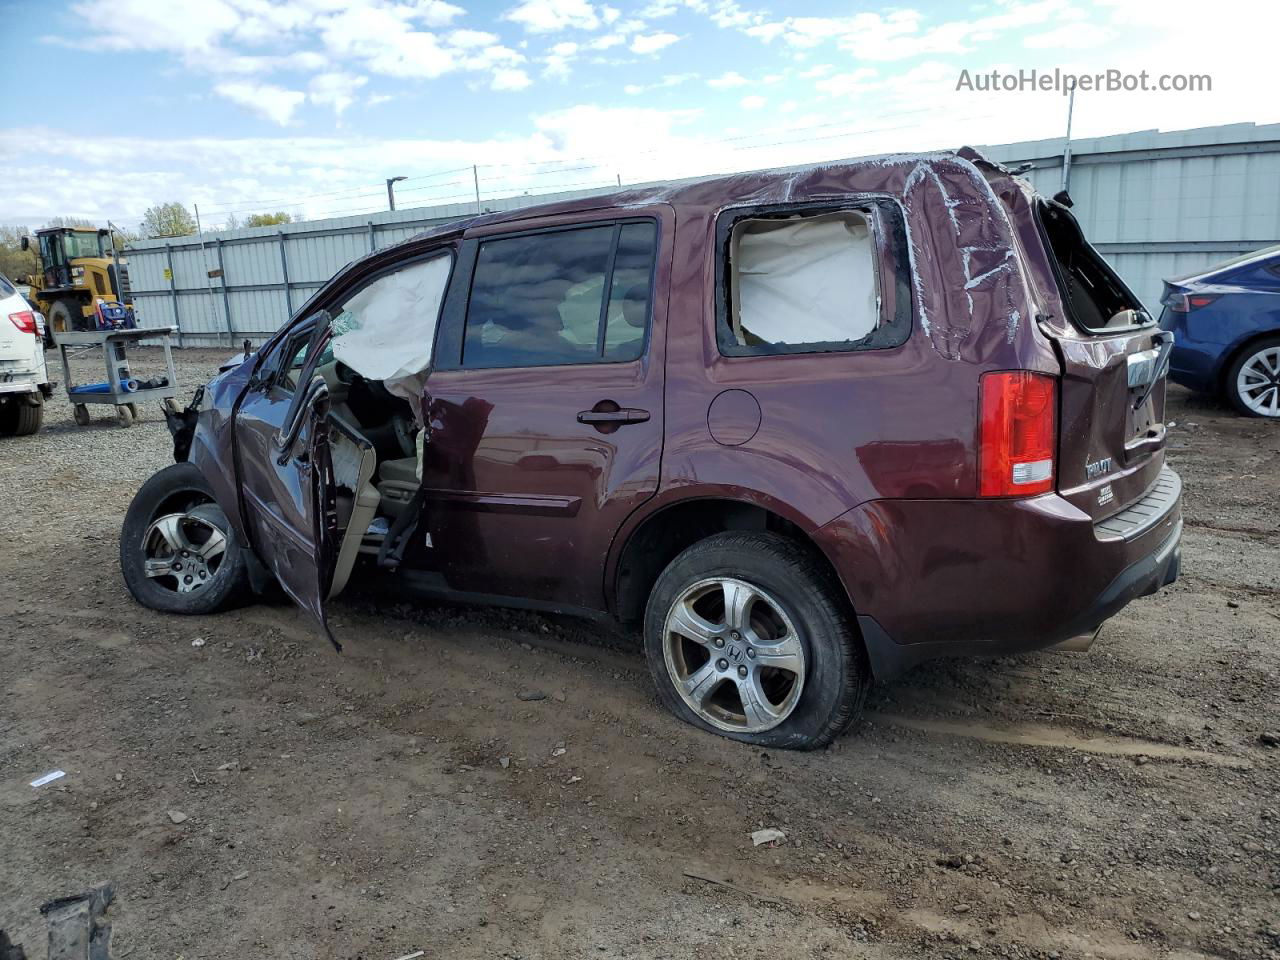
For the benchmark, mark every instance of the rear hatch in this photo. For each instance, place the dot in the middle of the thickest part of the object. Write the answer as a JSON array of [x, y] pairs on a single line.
[[18, 344], [1115, 361]]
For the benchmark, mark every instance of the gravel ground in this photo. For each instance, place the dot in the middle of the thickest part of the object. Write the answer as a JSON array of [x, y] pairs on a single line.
[[400, 797]]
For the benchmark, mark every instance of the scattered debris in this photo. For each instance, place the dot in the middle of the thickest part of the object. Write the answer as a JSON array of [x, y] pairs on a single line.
[[9, 950], [79, 926], [196, 777], [48, 778], [177, 816], [504, 762], [695, 875], [242, 875], [229, 765], [767, 835], [413, 956], [574, 780], [198, 642], [529, 695], [559, 751]]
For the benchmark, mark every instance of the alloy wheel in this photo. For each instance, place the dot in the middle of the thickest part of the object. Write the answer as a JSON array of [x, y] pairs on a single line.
[[734, 655], [183, 551], [1258, 382]]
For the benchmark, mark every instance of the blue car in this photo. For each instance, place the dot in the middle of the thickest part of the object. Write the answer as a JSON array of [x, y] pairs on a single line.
[[1225, 321]]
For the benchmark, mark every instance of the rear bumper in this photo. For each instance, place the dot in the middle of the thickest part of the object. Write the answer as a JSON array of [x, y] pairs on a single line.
[[937, 578], [25, 382]]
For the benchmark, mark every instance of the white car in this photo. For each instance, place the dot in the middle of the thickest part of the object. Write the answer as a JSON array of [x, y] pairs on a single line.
[[24, 383]]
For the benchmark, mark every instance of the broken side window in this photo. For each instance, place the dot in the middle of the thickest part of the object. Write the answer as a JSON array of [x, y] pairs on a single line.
[[386, 330], [803, 281], [812, 279]]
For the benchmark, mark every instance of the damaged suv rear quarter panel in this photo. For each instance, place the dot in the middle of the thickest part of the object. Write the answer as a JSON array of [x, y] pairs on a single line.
[[969, 299]]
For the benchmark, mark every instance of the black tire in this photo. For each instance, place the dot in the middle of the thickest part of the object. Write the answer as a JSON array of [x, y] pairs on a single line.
[[65, 316], [837, 675], [21, 416], [180, 488], [1233, 374]]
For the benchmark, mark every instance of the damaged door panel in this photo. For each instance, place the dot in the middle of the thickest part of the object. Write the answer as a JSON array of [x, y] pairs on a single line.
[[286, 467]]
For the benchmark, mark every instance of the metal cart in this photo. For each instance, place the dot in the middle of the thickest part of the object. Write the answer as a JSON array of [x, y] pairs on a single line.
[[119, 389]]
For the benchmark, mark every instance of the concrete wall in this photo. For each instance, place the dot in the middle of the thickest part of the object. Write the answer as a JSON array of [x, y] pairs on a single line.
[[1156, 204]]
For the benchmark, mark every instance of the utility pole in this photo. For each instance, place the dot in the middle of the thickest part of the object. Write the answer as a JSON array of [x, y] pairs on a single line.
[[391, 192], [475, 175], [1066, 147], [208, 279]]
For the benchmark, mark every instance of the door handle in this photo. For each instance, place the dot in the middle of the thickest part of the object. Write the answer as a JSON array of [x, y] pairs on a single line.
[[625, 415]]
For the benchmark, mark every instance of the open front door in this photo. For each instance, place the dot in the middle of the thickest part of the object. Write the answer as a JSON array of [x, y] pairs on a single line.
[[286, 469]]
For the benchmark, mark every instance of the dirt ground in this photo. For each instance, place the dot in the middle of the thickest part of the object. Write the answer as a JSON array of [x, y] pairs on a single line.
[[401, 796]]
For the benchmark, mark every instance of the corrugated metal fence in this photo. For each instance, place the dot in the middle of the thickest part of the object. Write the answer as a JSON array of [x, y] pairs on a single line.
[[1155, 204]]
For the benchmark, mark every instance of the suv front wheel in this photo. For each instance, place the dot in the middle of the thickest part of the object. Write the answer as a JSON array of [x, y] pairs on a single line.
[[747, 636]]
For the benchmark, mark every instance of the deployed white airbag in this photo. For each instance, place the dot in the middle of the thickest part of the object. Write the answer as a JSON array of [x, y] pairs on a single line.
[[804, 280], [386, 331]]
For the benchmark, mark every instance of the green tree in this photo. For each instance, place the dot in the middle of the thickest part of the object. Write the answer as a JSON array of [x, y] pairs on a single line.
[[14, 261], [167, 220], [268, 219]]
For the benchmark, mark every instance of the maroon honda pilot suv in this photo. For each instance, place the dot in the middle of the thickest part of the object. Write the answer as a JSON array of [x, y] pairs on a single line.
[[808, 428]]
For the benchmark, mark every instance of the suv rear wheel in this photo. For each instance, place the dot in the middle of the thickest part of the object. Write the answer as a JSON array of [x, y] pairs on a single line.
[[21, 414], [747, 636]]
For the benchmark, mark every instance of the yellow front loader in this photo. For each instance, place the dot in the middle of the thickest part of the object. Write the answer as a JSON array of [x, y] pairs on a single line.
[[77, 266]]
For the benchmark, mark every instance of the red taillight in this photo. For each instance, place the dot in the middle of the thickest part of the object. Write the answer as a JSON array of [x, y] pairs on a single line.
[[1016, 434], [1185, 303], [25, 321]]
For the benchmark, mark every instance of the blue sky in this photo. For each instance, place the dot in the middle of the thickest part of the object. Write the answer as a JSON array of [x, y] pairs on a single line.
[[307, 105]]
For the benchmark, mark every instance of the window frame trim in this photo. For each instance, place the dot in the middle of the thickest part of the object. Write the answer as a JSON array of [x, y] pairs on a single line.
[[888, 224], [458, 302]]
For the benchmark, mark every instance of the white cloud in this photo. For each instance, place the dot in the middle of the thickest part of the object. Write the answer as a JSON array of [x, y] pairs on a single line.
[[821, 70], [658, 8], [653, 42], [509, 78], [905, 33], [178, 25], [847, 84], [337, 90], [607, 41], [728, 79], [466, 39], [670, 80], [1069, 36], [265, 99], [559, 58], [436, 13], [752, 102], [551, 16]]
